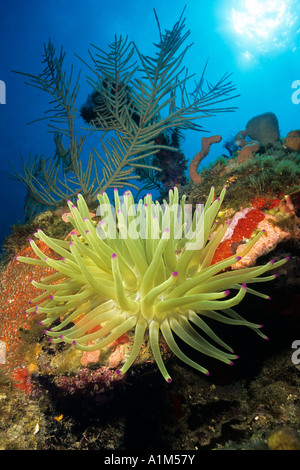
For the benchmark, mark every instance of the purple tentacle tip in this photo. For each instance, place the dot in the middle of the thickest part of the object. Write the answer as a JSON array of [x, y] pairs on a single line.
[[207, 373], [74, 343], [118, 372], [169, 380]]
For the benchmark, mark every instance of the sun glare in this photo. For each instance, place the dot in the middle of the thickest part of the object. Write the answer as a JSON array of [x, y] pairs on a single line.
[[264, 26]]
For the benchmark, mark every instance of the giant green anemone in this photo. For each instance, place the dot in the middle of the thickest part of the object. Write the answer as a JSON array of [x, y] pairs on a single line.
[[147, 267]]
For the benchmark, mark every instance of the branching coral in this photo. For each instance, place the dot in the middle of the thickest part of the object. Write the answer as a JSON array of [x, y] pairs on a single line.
[[146, 267], [136, 100]]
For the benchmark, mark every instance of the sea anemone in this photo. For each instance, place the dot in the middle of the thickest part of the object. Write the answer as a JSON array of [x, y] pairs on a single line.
[[147, 267]]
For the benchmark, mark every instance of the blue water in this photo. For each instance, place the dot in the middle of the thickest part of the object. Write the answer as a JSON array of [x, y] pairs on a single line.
[[259, 46]]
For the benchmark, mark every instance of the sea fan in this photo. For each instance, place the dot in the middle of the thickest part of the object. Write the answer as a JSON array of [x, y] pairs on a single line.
[[136, 97]]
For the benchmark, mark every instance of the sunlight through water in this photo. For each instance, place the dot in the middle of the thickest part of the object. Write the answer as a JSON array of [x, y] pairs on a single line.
[[263, 27]]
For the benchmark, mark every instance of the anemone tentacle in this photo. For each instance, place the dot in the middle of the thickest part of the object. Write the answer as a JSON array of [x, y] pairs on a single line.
[[147, 267]]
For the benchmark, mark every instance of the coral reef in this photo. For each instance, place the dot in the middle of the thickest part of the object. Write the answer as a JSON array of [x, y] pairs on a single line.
[[193, 413], [16, 294], [147, 276], [56, 396], [292, 141], [270, 173]]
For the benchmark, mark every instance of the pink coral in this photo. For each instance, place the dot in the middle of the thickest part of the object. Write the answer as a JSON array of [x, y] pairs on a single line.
[[89, 357], [117, 356]]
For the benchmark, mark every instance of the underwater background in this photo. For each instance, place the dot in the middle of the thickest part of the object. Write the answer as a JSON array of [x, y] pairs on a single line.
[[256, 41], [54, 396]]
